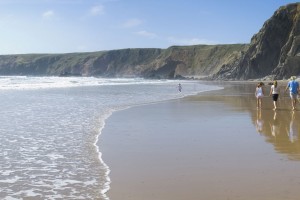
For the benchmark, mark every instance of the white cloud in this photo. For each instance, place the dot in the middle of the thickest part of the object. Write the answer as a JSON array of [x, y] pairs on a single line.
[[146, 34], [189, 41], [48, 14], [132, 23], [97, 10]]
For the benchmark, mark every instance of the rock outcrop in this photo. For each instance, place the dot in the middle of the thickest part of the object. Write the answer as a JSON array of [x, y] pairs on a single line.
[[274, 51]]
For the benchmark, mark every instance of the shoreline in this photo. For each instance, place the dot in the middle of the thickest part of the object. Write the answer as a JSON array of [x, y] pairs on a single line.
[[171, 150], [107, 172]]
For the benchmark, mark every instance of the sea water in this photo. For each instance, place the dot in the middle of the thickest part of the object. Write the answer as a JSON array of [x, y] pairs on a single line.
[[50, 127]]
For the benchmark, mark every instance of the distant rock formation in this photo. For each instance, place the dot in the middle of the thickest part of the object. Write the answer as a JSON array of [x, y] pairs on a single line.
[[274, 52], [174, 62]]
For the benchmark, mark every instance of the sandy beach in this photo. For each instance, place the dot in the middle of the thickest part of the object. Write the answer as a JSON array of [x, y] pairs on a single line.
[[215, 145]]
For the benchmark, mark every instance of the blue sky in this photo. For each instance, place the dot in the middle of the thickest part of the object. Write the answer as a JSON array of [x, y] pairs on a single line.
[[63, 26]]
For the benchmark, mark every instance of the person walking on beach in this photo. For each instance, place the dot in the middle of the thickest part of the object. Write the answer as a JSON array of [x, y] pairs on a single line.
[[179, 87], [293, 86], [275, 93], [259, 94]]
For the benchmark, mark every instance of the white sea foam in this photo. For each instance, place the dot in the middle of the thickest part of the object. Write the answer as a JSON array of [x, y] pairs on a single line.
[[11, 198], [106, 187], [10, 180], [51, 127], [24, 82]]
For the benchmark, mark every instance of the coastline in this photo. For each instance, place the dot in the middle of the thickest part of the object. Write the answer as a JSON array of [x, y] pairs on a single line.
[[207, 146]]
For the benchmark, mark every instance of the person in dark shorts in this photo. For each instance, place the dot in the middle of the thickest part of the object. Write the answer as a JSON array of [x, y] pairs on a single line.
[[275, 94]]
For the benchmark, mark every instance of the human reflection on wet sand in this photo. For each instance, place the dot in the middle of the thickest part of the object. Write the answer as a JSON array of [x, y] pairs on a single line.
[[293, 129], [282, 130], [275, 126], [280, 127], [259, 121]]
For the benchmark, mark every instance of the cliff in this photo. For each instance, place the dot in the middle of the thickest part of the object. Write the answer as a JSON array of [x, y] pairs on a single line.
[[274, 51], [173, 62]]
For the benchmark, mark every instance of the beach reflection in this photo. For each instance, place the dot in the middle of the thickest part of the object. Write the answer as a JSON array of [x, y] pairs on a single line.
[[293, 129], [281, 128], [275, 125], [259, 122]]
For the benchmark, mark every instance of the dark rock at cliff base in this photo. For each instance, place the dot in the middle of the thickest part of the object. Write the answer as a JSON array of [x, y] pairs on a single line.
[[68, 74]]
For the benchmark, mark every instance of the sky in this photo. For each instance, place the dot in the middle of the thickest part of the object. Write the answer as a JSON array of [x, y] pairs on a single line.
[[66, 26]]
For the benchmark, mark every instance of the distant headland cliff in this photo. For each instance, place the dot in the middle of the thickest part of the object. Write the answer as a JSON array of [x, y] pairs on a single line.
[[274, 52]]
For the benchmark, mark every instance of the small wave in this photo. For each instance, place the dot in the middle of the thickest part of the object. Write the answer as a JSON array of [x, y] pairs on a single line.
[[32, 83]]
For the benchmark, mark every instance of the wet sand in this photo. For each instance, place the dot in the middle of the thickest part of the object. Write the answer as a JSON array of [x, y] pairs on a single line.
[[215, 145]]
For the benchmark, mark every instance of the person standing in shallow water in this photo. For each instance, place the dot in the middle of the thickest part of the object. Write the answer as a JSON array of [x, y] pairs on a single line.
[[179, 87], [293, 86], [275, 94], [259, 94]]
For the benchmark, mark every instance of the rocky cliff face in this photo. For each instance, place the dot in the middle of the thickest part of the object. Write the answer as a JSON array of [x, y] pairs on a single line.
[[274, 51], [200, 60], [173, 62]]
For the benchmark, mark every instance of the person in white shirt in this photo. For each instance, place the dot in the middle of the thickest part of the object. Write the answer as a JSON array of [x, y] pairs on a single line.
[[275, 93], [259, 93]]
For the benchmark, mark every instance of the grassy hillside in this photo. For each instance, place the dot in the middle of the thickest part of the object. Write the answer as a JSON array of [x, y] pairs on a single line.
[[175, 61]]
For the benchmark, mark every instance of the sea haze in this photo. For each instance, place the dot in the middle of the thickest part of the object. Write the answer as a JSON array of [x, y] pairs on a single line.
[[50, 127]]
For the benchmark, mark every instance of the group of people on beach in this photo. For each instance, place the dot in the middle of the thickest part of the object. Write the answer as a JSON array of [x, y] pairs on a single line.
[[292, 86]]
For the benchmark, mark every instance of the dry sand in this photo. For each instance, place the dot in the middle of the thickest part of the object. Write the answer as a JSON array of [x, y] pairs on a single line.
[[213, 146]]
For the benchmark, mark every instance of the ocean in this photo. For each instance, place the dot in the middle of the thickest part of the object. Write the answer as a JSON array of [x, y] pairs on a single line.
[[50, 127]]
